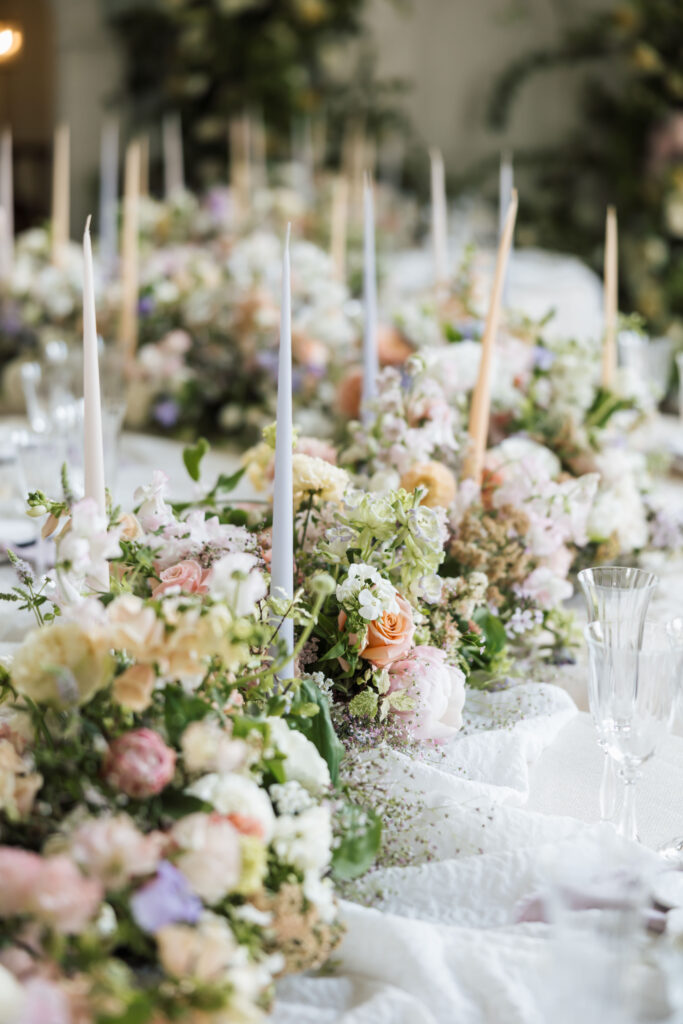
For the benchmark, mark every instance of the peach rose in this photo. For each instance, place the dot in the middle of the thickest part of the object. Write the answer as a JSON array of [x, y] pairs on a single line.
[[133, 689], [392, 347], [437, 478], [308, 350], [349, 394], [388, 638], [187, 576]]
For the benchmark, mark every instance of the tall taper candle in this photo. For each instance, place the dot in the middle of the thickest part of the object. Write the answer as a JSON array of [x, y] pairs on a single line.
[[109, 188], [339, 220], [481, 398], [370, 357], [439, 217], [609, 351], [7, 202], [282, 557], [174, 172], [61, 186], [143, 186], [93, 446], [129, 254], [506, 182]]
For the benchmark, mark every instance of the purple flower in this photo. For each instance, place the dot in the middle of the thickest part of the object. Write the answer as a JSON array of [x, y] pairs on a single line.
[[167, 899], [166, 412], [543, 358], [145, 305], [267, 360], [471, 329]]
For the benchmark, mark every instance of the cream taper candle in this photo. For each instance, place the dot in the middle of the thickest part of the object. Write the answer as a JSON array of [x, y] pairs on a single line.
[[7, 203], [128, 328], [339, 219], [174, 171], [61, 186], [481, 398], [109, 188], [370, 356], [439, 218]]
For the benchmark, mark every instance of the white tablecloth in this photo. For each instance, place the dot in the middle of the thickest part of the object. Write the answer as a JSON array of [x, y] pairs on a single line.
[[517, 789]]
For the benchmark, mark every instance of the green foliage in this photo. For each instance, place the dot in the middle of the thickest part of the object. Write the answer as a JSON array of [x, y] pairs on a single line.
[[318, 727], [626, 152], [215, 58], [359, 844], [193, 455]]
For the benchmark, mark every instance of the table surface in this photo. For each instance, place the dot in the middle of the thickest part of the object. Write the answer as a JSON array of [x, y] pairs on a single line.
[[565, 780]]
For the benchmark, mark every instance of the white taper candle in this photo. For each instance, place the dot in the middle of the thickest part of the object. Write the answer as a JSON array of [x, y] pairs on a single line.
[[282, 560], [370, 356], [93, 445]]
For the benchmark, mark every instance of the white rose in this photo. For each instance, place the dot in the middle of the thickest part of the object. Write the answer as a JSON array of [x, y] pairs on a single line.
[[210, 857], [12, 998]]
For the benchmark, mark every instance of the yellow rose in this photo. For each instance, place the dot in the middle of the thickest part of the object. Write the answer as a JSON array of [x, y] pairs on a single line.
[[259, 463], [130, 526], [133, 689], [438, 480], [62, 665]]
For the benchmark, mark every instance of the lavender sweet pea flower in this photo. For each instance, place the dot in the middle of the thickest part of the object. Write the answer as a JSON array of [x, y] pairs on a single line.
[[145, 305], [543, 358], [166, 412], [167, 899]]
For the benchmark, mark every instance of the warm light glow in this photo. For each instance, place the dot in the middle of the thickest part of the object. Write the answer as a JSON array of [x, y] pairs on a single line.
[[11, 40]]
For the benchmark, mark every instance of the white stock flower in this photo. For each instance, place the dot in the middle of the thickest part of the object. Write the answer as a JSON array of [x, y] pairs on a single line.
[[236, 794], [302, 762], [236, 580], [305, 840]]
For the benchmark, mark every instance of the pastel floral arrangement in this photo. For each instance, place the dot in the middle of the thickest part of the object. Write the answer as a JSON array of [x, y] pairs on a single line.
[[170, 820]]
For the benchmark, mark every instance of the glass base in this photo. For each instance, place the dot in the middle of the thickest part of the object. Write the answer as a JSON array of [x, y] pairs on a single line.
[[672, 852]]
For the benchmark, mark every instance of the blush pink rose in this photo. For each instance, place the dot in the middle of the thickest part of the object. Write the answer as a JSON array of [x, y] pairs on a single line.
[[187, 576], [63, 898], [437, 688], [139, 764], [390, 637]]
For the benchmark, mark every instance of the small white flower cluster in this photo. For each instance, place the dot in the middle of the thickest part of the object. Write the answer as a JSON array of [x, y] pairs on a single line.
[[523, 620], [368, 592]]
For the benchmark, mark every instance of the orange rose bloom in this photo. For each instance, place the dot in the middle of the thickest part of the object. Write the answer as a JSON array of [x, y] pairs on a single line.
[[390, 637], [349, 394], [438, 480], [392, 347]]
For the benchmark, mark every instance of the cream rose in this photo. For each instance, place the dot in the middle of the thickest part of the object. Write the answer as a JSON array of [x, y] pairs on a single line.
[[314, 476], [62, 665]]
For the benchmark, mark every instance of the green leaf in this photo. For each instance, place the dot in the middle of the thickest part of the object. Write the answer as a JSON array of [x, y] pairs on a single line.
[[318, 728], [193, 455], [180, 709], [364, 704], [228, 483], [336, 651], [177, 804], [359, 845], [139, 1011], [493, 629], [306, 710]]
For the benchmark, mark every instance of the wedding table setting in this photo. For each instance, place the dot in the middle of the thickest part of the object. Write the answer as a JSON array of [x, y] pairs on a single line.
[[340, 636]]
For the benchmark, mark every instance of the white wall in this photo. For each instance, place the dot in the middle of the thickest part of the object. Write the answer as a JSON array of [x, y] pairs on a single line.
[[88, 69], [453, 50]]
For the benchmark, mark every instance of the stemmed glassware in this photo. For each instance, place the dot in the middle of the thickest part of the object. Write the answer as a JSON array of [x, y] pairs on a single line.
[[673, 850], [632, 686], [620, 595]]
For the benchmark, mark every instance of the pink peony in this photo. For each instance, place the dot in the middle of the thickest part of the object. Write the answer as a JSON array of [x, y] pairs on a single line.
[[45, 1003], [187, 576], [19, 872], [437, 688], [139, 764]]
